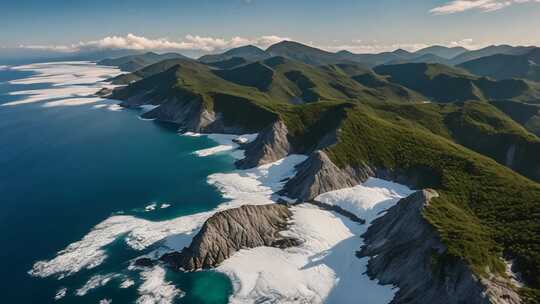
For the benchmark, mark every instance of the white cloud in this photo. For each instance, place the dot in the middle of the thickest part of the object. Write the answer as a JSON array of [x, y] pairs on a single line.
[[190, 43], [457, 6]]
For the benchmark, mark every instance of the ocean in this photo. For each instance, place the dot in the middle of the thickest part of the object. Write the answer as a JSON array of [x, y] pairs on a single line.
[[69, 161]]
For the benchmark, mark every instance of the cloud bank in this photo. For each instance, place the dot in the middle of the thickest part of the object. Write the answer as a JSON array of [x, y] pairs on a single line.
[[458, 6], [188, 43], [362, 47]]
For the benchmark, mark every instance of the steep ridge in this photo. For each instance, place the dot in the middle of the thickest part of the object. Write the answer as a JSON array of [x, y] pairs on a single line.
[[527, 115], [318, 174], [503, 66], [488, 51], [228, 231], [270, 145], [447, 84], [405, 251]]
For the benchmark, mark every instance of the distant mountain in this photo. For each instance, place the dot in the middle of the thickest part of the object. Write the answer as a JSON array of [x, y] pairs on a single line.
[[303, 53], [427, 58], [152, 69], [490, 50], [372, 60], [135, 62], [442, 51], [449, 84], [248, 52], [228, 63], [503, 66]]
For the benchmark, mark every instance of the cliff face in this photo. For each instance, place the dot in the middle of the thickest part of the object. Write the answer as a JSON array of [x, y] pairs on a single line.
[[405, 251], [318, 174], [188, 112], [271, 145], [228, 231]]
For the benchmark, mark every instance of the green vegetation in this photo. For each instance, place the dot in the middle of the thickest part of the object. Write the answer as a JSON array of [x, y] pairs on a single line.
[[485, 210], [443, 83], [527, 115]]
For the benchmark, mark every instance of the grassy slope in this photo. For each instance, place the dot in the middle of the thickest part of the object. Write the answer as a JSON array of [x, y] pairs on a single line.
[[527, 115], [478, 126], [485, 210]]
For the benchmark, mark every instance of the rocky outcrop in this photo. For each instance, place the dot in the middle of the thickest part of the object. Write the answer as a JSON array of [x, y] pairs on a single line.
[[404, 250], [270, 145], [318, 174], [228, 231]]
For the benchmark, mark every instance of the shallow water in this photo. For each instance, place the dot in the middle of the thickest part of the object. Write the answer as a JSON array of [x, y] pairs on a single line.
[[66, 168]]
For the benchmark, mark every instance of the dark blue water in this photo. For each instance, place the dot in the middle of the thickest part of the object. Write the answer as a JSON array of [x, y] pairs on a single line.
[[65, 169]]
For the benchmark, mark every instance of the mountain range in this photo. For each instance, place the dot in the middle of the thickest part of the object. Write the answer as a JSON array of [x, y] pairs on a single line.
[[467, 133]]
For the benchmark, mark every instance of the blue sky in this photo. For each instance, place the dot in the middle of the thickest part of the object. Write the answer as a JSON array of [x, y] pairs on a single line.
[[209, 26]]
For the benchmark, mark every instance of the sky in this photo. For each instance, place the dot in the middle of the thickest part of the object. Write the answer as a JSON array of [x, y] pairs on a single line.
[[209, 26]]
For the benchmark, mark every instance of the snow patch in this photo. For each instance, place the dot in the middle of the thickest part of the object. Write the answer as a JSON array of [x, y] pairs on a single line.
[[60, 293], [226, 142], [115, 107], [127, 283], [155, 289], [368, 199], [73, 83], [96, 282], [254, 186], [324, 268]]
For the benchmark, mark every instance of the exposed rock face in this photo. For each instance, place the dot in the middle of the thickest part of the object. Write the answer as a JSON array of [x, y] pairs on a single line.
[[318, 174], [406, 251], [189, 114], [228, 231], [271, 145]]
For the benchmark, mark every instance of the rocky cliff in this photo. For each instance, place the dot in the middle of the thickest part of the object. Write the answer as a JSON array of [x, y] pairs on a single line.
[[318, 174], [228, 231], [404, 250], [270, 145]]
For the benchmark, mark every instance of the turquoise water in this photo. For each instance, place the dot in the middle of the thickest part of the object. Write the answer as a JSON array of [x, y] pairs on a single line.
[[65, 169]]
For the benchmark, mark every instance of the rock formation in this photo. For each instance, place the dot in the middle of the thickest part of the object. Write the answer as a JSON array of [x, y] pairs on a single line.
[[318, 174], [404, 250], [272, 144], [228, 231]]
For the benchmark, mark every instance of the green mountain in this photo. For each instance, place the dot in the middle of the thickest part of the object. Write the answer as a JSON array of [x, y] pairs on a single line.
[[279, 79], [151, 70], [426, 58], [502, 66], [303, 53], [248, 52], [371, 60], [489, 51], [442, 51], [443, 83], [134, 62]]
